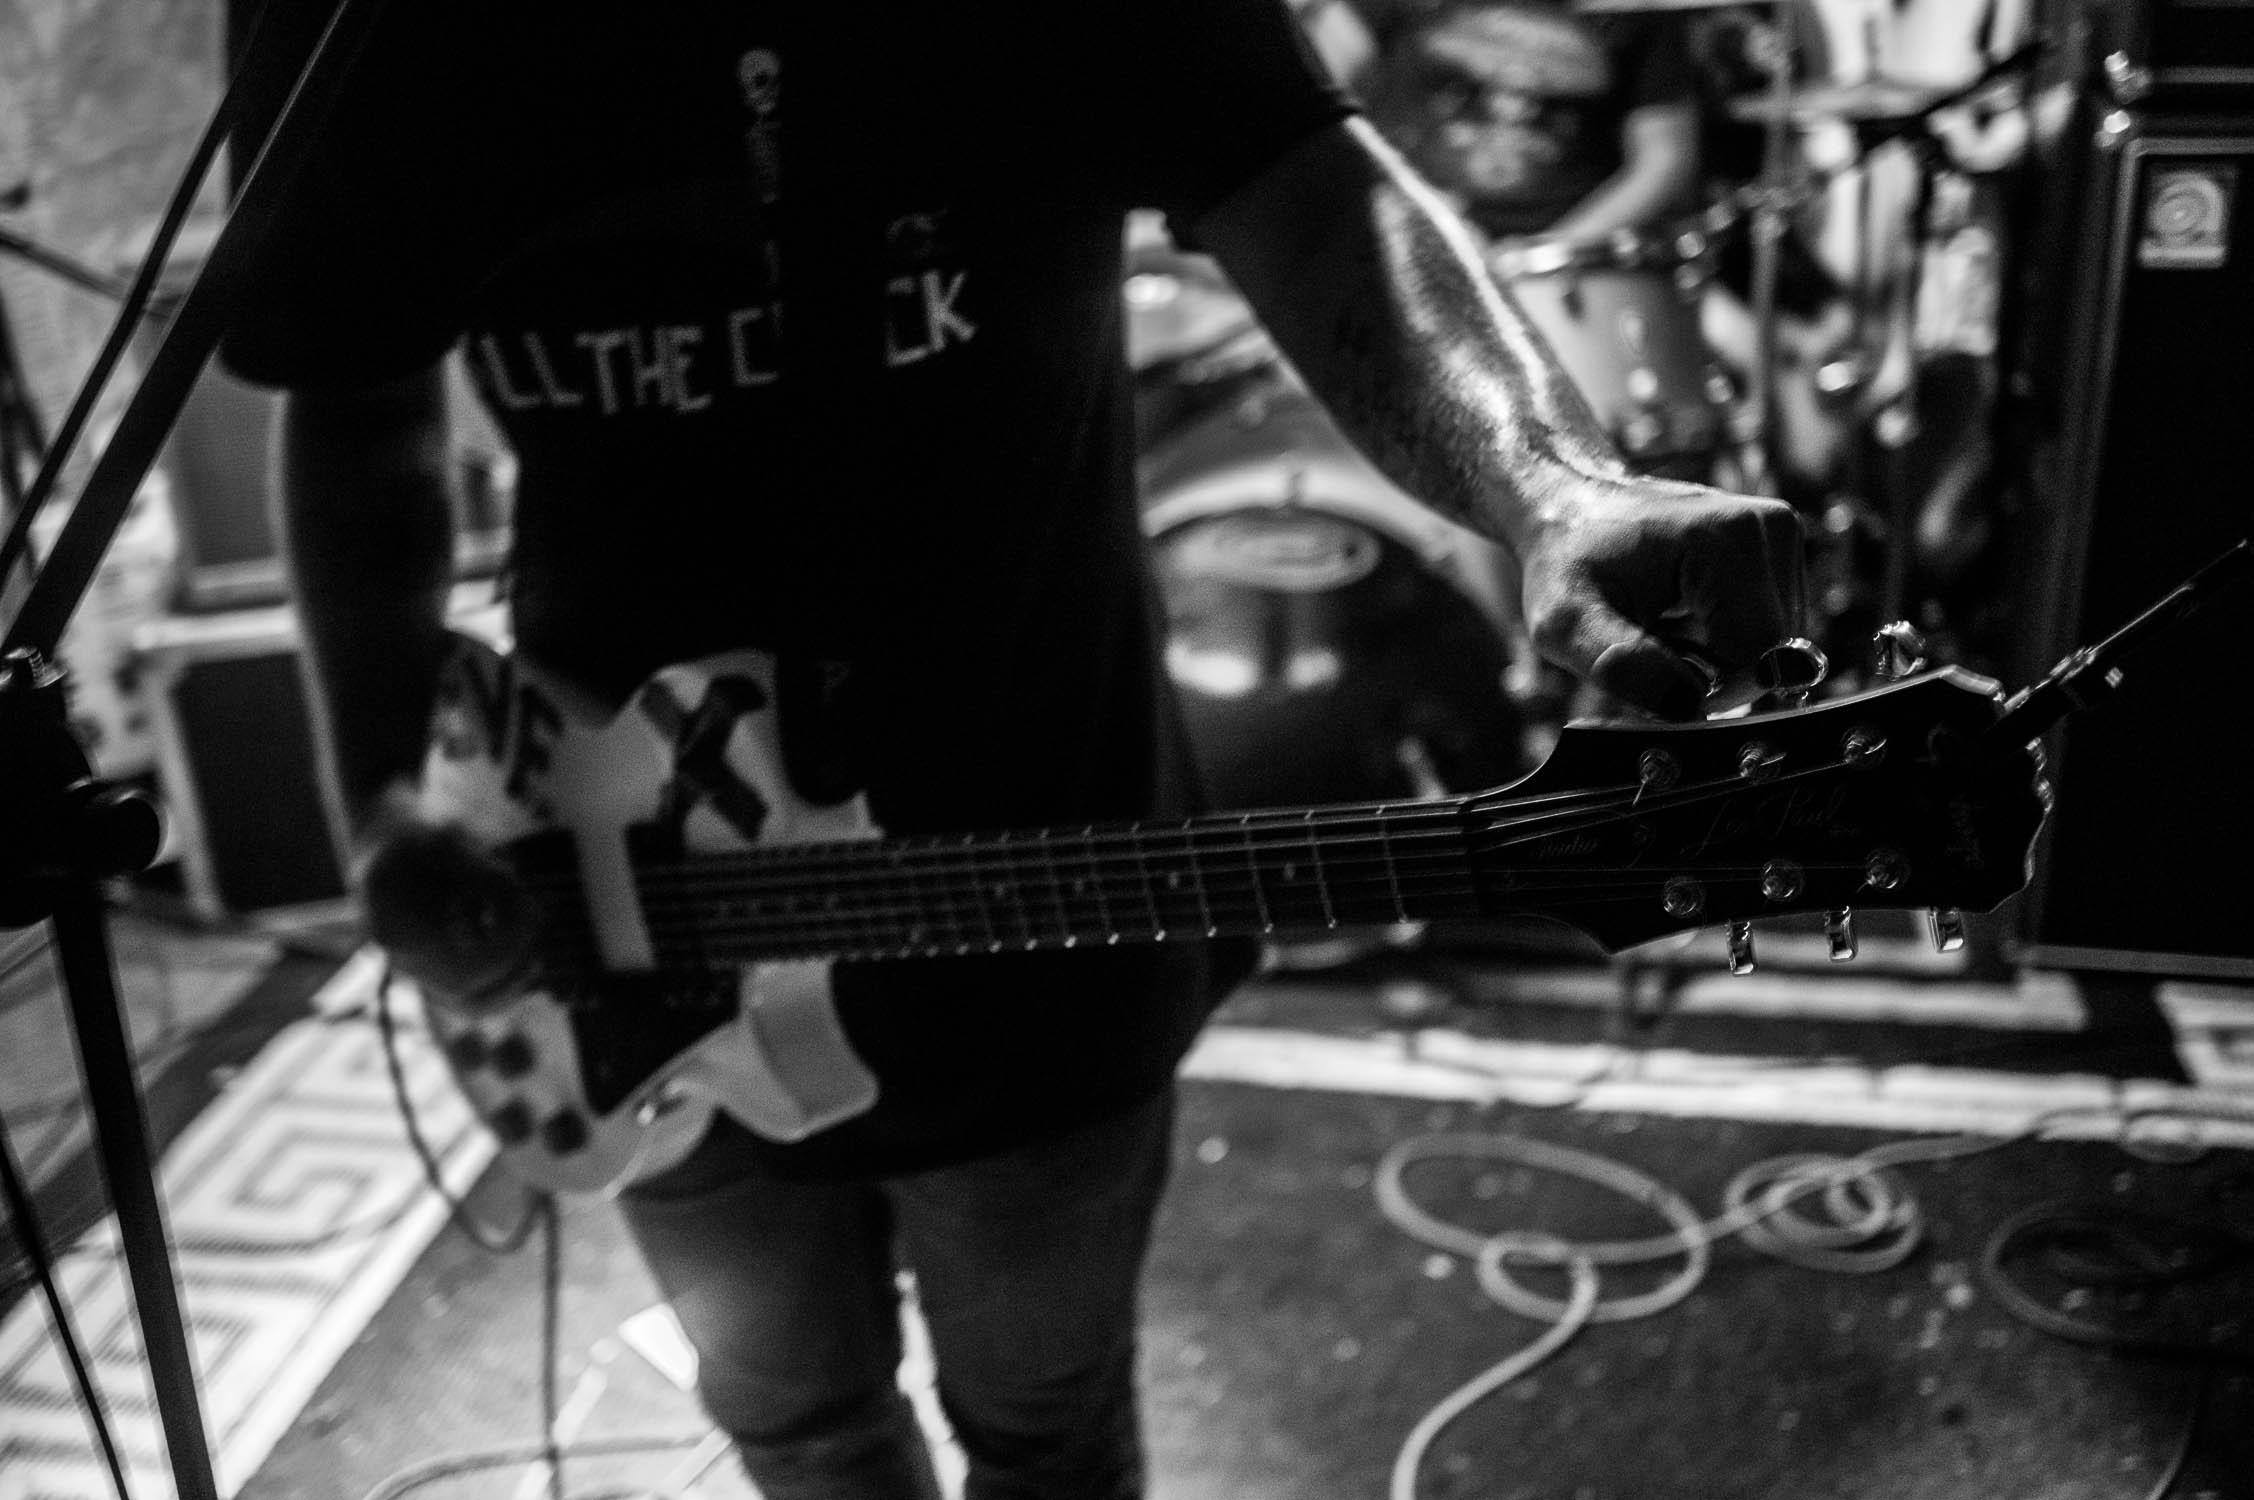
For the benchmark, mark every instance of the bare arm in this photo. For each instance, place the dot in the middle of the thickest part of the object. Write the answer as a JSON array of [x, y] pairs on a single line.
[[367, 528], [1657, 176], [1379, 298], [367, 536]]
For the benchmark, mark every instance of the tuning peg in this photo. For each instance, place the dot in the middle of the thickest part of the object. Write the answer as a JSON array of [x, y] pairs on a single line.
[[1790, 670], [1839, 931], [1741, 947], [1897, 650], [1947, 926]]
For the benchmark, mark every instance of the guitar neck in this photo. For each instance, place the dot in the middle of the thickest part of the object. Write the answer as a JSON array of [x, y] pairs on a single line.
[[1236, 874]]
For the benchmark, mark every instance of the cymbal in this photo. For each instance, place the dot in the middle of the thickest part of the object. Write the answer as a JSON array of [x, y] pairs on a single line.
[[1872, 101]]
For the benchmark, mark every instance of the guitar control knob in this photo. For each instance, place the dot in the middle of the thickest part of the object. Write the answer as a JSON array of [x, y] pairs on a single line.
[[1946, 924], [564, 1132], [468, 1051], [1839, 932], [1897, 650], [512, 1055], [1741, 947], [511, 1124]]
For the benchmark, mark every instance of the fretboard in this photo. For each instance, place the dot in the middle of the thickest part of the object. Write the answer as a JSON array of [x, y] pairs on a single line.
[[1237, 874]]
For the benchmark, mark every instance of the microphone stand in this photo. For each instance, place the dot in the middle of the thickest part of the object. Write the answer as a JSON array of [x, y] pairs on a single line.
[[65, 831]]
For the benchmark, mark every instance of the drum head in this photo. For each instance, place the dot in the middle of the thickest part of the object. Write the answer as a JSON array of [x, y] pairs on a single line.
[[1318, 659]]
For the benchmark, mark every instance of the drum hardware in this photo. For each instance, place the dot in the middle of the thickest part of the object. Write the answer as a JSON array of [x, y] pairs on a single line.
[[1621, 314]]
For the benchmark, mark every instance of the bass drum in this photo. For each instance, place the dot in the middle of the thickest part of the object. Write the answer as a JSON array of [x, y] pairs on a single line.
[[1329, 639]]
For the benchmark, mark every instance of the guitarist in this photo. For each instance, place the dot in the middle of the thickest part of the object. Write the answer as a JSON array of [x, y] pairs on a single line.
[[804, 323]]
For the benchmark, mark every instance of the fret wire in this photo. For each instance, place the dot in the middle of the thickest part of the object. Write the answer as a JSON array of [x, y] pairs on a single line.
[[1056, 882], [980, 905], [1315, 855], [1392, 873]]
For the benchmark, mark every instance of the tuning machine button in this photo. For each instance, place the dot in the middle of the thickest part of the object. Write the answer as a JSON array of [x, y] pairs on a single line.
[[1657, 769], [1897, 650], [1946, 924], [1741, 946], [1839, 932], [1790, 670]]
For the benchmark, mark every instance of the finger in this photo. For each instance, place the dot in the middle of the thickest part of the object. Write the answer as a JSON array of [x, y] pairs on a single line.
[[1634, 665], [1751, 586]]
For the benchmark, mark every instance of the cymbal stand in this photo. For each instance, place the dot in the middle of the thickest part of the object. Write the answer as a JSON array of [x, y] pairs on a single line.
[[1768, 227], [1894, 425]]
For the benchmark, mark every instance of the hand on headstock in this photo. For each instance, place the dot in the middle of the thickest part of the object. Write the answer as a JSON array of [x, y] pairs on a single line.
[[1900, 796]]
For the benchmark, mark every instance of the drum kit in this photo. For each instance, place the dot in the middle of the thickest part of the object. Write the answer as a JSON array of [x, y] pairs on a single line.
[[1328, 636]]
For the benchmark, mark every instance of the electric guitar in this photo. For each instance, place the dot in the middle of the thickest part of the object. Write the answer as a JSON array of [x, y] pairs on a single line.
[[691, 902]]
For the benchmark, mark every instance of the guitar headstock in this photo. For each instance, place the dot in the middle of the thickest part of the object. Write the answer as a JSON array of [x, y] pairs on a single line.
[[1893, 798]]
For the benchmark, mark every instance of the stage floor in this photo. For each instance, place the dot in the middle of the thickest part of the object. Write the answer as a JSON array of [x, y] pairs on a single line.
[[1295, 1335]]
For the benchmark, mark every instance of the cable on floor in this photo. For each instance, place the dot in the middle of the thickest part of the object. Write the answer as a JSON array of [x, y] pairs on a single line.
[[1872, 1223]]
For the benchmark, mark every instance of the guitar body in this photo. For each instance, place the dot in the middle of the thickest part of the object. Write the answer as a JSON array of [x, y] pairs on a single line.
[[564, 1073]]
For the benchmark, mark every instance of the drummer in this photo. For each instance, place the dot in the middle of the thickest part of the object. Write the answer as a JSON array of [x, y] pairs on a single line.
[[1537, 120]]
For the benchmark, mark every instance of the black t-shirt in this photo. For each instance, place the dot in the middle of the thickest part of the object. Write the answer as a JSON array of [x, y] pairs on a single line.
[[806, 331], [1515, 107]]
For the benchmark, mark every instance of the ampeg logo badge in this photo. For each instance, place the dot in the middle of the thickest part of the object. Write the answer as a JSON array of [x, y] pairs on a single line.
[[2187, 216]]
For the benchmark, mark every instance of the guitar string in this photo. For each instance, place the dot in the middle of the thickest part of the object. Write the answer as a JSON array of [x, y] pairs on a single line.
[[860, 930], [1435, 821], [932, 905], [1108, 845], [977, 858], [979, 869], [871, 926]]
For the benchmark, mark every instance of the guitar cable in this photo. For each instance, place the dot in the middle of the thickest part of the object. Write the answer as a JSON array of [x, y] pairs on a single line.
[[1874, 1224], [543, 1211]]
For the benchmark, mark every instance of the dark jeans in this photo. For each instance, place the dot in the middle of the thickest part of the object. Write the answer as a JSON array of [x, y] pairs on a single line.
[[1026, 1267]]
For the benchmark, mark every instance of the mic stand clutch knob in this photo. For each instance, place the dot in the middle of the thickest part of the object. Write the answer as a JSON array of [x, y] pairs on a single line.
[[58, 822]]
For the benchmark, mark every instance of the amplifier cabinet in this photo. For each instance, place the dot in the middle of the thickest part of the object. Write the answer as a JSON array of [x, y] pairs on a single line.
[[2139, 481], [247, 813], [2179, 55], [244, 807]]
